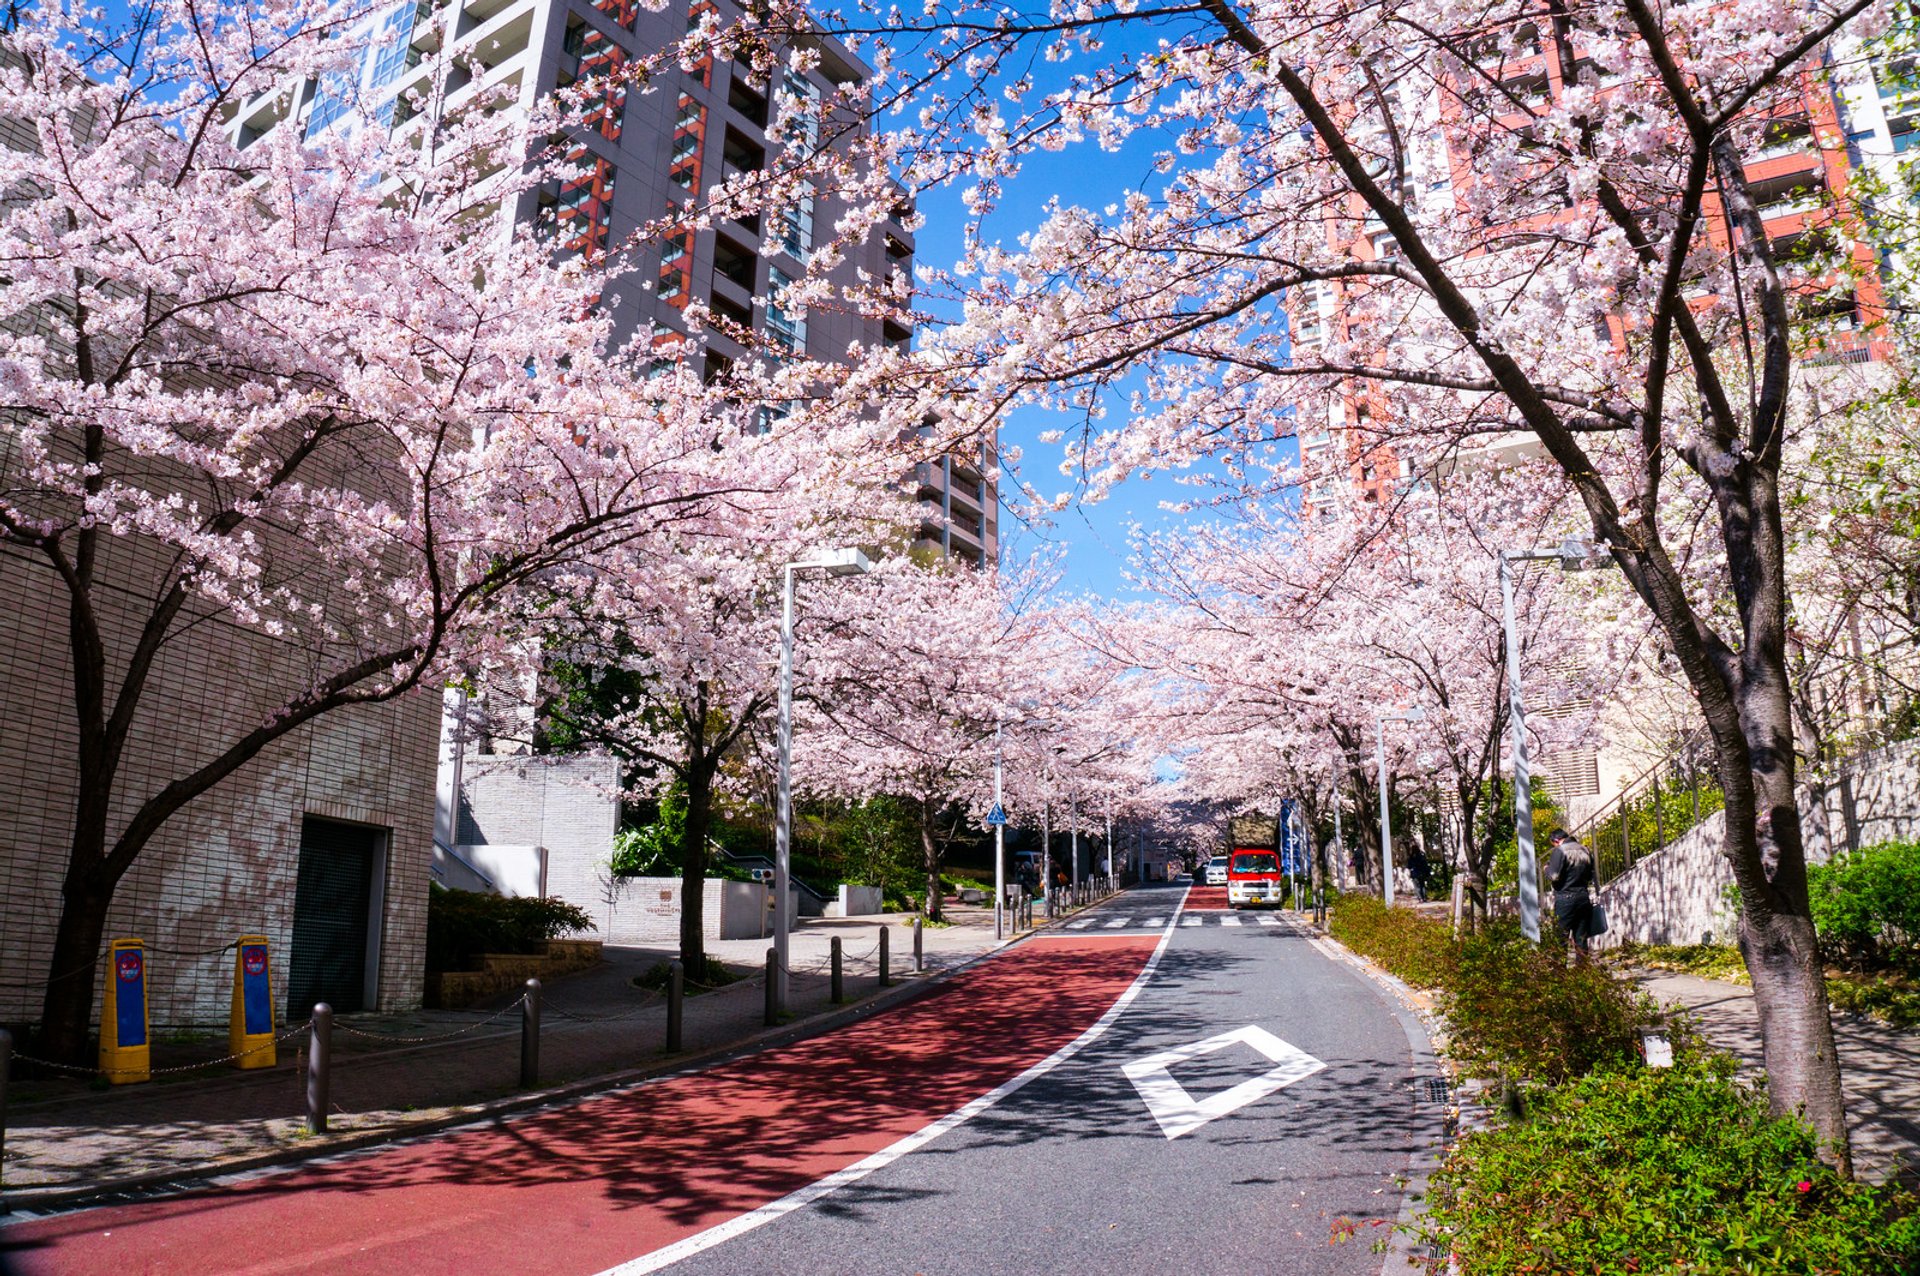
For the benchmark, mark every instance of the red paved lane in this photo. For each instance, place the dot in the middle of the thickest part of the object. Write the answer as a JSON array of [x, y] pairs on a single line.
[[597, 1183], [1201, 898]]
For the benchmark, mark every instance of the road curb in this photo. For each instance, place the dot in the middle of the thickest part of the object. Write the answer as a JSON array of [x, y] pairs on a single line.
[[68, 1197], [1425, 1031]]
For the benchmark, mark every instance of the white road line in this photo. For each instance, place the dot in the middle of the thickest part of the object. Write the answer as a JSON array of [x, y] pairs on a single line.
[[1268, 919], [1230, 919], [1082, 924], [1193, 919], [1153, 923], [1118, 922], [723, 1232]]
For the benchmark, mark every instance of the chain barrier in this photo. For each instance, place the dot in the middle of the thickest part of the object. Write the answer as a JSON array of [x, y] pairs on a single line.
[[92, 1070], [653, 995], [189, 953], [508, 1009]]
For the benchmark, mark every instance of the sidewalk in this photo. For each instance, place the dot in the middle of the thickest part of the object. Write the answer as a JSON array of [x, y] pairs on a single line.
[[1879, 1065], [394, 1075]]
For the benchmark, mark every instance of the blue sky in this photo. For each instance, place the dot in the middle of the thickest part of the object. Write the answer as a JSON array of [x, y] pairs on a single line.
[[1093, 535]]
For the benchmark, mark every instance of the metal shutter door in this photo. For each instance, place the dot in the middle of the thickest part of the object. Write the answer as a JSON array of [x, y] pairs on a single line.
[[330, 902]]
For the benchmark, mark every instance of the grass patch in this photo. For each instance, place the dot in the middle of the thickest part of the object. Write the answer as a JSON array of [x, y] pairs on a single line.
[[1708, 961], [654, 978]]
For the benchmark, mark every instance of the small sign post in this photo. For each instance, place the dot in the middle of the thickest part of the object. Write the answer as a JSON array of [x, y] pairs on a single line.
[[125, 1054], [250, 1023]]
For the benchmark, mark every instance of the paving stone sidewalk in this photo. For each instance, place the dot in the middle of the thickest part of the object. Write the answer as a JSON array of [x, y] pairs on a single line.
[[1880, 1066], [397, 1074]]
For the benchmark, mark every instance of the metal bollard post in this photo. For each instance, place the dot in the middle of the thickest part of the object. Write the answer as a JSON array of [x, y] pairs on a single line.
[[676, 1005], [6, 1067], [919, 956], [885, 977], [773, 987], [530, 1037], [839, 986], [319, 1067]]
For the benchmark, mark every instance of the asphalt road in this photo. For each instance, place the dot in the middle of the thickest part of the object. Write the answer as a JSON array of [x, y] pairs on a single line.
[[1143, 1090], [1074, 1173]]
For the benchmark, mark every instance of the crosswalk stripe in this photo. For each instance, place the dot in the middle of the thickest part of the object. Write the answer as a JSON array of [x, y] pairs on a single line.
[[1082, 924], [1118, 922], [1154, 921], [1268, 919], [1228, 919], [1193, 921]]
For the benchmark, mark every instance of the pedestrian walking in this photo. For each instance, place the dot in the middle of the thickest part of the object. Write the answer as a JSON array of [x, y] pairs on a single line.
[[1570, 870], [1420, 871]]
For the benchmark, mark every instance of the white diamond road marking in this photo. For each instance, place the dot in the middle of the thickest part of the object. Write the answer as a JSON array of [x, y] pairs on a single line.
[[1180, 1113]]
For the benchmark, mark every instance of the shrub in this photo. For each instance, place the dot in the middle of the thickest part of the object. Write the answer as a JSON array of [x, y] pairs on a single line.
[[1677, 1170], [1418, 949], [461, 925], [1866, 904], [1529, 1012]]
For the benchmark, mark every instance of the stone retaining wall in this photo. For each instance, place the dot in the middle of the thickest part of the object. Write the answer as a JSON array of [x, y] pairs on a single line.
[[1676, 896]]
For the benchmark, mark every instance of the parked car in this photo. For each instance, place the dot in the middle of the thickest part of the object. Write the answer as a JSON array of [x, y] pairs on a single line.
[[1217, 871], [1253, 877]]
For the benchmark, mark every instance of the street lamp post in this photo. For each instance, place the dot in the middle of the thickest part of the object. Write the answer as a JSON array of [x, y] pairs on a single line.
[[999, 847], [1573, 555], [839, 562], [1413, 714]]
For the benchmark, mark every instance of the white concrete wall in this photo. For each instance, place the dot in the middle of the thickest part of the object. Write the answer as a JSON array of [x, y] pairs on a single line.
[[1676, 895], [858, 901], [567, 806], [644, 912]]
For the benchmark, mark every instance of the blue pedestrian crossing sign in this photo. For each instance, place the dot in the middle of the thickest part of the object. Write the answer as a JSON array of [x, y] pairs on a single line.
[[996, 816]]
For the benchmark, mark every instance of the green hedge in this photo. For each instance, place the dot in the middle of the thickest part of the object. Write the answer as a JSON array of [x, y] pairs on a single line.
[[1866, 905], [1417, 949], [461, 925], [1529, 1012], [1677, 1170]]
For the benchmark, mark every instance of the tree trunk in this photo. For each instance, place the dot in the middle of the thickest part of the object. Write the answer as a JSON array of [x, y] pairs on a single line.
[[693, 870], [930, 849], [66, 1010]]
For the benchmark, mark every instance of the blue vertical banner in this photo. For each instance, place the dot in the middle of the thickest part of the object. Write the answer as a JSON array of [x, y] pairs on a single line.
[[125, 1056], [1293, 842], [250, 1023]]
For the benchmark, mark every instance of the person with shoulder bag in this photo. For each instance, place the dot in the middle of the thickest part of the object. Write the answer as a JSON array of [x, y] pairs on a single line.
[[1570, 871]]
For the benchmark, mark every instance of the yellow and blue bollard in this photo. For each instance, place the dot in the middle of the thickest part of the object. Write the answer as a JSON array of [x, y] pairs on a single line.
[[125, 1056], [250, 1026]]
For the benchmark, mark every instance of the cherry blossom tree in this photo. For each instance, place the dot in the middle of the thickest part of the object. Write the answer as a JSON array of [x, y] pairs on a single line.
[[1538, 224], [314, 387]]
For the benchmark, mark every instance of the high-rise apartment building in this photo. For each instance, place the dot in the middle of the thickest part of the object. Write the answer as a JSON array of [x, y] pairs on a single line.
[[646, 158]]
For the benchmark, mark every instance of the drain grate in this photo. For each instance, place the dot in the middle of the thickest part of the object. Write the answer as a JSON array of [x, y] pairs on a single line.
[[1432, 1089]]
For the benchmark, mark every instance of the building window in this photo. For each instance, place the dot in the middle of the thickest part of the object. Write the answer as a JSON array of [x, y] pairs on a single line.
[[689, 139], [786, 328], [332, 98], [595, 57], [676, 254], [795, 226], [582, 206], [395, 52], [799, 122], [621, 12]]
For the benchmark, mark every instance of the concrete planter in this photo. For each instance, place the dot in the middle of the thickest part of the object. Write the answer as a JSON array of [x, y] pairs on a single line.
[[504, 972]]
